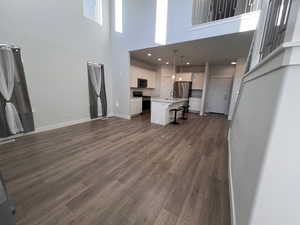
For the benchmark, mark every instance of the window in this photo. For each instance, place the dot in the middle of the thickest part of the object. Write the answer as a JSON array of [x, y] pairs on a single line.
[[275, 26], [92, 9], [161, 21], [119, 16]]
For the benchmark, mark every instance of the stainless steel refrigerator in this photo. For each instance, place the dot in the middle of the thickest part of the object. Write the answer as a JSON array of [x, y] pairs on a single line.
[[182, 89]]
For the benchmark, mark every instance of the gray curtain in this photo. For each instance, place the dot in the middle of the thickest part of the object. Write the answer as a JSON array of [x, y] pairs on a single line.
[[19, 97], [97, 92]]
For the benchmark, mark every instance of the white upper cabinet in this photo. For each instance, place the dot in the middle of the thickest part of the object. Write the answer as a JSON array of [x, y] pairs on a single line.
[[133, 75], [184, 77], [152, 80], [141, 73], [197, 80]]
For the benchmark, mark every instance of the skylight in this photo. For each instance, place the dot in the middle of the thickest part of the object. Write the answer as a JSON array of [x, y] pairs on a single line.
[[161, 21]]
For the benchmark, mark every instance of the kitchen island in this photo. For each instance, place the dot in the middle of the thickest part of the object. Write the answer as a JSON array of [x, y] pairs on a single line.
[[160, 109]]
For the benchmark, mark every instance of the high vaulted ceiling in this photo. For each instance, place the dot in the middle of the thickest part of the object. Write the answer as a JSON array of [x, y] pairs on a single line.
[[217, 50]]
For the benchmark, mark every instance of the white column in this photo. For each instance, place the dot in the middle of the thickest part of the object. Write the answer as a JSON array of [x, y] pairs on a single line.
[[205, 80], [237, 81]]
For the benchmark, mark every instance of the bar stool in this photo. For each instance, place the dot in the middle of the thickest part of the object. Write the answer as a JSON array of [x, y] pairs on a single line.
[[175, 110], [185, 109]]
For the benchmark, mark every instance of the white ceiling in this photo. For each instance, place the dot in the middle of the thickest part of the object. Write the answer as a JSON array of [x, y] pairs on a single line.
[[217, 50]]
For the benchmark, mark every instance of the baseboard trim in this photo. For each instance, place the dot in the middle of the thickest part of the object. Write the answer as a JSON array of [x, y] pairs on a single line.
[[6, 141], [231, 190], [194, 111], [61, 125], [51, 127], [122, 115]]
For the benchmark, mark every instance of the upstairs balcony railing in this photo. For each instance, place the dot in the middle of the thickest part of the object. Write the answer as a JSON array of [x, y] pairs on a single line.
[[275, 26], [211, 10]]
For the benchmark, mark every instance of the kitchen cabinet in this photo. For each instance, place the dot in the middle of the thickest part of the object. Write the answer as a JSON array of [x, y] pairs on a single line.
[[152, 81], [133, 77], [136, 105], [184, 77], [141, 73], [195, 104], [197, 80]]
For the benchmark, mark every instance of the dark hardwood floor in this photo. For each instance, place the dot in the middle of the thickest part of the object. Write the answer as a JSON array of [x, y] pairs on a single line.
[[120, 172]]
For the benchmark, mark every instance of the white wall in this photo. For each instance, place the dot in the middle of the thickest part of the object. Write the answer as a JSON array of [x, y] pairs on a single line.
[[191, 69], [278, 194], [264, 153], [222, 70], [250, 135], [264, 137], [56, 42], [139, 33]]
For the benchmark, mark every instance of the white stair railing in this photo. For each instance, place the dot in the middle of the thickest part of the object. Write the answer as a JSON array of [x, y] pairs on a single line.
[[211, 10]]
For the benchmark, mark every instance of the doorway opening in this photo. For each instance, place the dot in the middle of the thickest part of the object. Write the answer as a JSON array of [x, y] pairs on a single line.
[[219, 94]]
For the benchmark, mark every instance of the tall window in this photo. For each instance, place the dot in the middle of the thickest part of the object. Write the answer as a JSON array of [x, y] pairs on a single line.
[[92, 9], [161, 21], [119, 16]]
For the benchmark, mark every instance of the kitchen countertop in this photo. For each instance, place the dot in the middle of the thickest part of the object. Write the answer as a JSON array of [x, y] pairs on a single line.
[[169, 100]]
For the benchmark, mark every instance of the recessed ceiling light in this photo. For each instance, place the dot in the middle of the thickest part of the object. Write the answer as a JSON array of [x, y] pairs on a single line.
[[188, 63], [149, 54], [159, 59], [167, 63], [233, 63]]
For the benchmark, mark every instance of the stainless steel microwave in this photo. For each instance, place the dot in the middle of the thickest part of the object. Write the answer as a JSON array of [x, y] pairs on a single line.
[[142, 83]]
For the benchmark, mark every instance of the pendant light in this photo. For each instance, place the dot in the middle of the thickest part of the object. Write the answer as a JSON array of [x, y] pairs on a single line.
[[181, 67], [174, 65]]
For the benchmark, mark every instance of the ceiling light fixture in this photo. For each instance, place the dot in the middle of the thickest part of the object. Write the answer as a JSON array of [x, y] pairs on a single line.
[[167, 63], [188, 63], [180, 78], [173, 77], [159, 59], [233, 63], [149, 54]]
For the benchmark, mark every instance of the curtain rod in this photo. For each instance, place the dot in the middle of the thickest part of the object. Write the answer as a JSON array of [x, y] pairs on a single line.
[[8, 46], [98, 64]]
